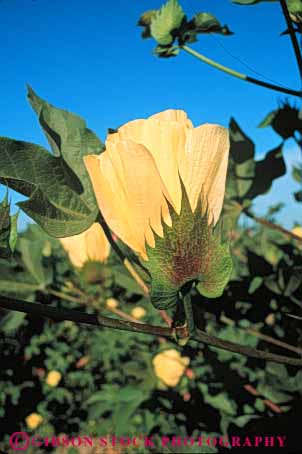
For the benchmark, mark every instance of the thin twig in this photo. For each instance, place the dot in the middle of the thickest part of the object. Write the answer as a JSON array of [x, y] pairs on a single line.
[[166, 318], [292, 34], [136, 276], [265, 337], [254, 392], [63, 296], [114, 310], [122, 314], [122, 256], [56, 315], [239, 75], [273, 226]]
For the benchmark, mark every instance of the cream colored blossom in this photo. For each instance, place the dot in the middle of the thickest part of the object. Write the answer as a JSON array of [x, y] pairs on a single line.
[[297, 231], [142, 169], [53, 378], [270, 319], [169, 366], [89, 245], [112, 303], [138, 312], [33, 420]]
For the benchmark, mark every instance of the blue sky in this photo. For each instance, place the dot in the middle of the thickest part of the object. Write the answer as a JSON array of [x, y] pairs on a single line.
[[88, 57]]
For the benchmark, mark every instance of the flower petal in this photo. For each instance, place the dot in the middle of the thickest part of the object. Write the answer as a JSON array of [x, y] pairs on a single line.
[[97, 245], [77, 255], [89, 245], [177, 115], [204, 168], [164, 135], [130, 192]]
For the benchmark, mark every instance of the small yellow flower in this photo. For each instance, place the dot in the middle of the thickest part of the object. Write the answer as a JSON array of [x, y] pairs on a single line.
[[33, 420], [169, 366], [138, 312], [53, 378], [91, 245], [270, 319], [111, 303], [297, 231]]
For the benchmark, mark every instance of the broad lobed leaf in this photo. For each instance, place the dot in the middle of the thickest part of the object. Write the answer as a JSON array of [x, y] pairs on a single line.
[[60, 194]]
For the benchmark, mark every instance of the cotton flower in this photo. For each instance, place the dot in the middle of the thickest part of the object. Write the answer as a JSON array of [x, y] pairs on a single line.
[[169, 366], [160, 186], [297, 231], [111, 303], [91, 245], [33, 420], [53, 378], [138, 312]]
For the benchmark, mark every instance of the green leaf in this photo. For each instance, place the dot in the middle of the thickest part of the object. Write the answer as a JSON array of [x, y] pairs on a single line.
[[295, 7], [8, 229], [246, 177], [61, 198], [294, 281], [220, 401], [297, 174], [284, 121], [166, 20], [11, 322], [255, 284], [272, 393], [241, 169], [32, 258], [13, 231], [267, 121], [145, 22], [298, 196], [207, 23], [266, 171], [21, 287]]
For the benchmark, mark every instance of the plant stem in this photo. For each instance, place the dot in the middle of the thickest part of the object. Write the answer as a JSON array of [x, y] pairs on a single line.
[[265, 337], [122, 314], [271, 405], [136, 276], [239, 75], [63, 296], [189, 313], [273, 226], [56, 315], [121, 255], [293, 36]]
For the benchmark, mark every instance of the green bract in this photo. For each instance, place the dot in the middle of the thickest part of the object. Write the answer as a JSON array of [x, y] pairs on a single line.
[[190, 250], [167, 19]]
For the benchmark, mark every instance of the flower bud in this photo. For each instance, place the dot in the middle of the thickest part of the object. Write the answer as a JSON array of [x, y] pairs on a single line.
[[169, 366], [33, 420]]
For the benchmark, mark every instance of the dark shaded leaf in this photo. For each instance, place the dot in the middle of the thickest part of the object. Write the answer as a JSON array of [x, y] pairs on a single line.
[[266, 171], [208, 23], [298, 196], [284, 121]]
